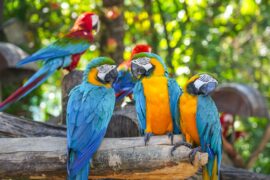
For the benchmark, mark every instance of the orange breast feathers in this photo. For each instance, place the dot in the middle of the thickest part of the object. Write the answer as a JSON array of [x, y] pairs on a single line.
[[158, 114], [188, 108]]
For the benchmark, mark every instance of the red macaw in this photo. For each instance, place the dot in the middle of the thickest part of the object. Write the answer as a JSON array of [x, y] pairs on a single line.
[[64, 53], [124, 84]]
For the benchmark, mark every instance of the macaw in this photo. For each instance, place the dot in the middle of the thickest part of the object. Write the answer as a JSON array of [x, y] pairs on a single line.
[[124, 84], [89, 110], [199, 123], [155, 96], [64, 53]]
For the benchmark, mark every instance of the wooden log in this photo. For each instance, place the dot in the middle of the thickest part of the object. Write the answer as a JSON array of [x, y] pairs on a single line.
[[12, 126], [119, 158]]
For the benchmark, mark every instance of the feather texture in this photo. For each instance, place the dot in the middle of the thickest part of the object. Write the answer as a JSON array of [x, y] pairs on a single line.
[[89, 111]]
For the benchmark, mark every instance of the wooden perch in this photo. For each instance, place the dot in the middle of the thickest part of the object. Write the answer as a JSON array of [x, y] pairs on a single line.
[[12, 126], [119, 158]]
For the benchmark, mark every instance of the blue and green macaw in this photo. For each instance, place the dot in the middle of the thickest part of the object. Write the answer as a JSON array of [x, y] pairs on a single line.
[[198, 119], [64, 53], [154, 95], [89, 110]]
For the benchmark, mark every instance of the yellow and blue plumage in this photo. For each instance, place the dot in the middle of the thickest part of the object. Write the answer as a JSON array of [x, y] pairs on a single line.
[[89, 110], [199, 122], [154, 95]]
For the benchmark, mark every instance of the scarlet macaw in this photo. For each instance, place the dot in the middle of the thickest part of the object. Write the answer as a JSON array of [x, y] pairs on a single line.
[[198, 119], [89, 110], [155, 95], [64, 53], [124, 84]]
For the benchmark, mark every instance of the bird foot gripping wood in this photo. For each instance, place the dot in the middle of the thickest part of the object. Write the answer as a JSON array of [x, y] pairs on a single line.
[[178, 144], [147, 137], [170, 135]]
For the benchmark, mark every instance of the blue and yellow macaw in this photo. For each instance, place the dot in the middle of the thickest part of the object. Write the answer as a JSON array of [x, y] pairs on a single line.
[[124, 84], [198, 119], [64, 53], [89, 110], [154, 95]]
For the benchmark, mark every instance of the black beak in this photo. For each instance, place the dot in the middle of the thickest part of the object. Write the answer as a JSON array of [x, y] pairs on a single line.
[[208, 88], [137, 71], [111, 76]]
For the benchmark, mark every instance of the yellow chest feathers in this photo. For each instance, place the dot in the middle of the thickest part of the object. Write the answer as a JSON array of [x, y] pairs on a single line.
[[188, 108], [158, 114]]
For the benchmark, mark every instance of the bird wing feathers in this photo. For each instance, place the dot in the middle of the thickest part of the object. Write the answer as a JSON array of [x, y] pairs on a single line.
[[62, 47], [89, 110]]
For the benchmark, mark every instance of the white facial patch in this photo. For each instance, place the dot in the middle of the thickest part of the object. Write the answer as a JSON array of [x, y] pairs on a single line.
[[95, 19], [203, 79], [144, 62], [104, 70]]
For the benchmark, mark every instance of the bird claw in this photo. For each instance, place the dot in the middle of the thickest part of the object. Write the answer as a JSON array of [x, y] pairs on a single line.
[[178, 144], [170, 135], [192, 154], [147, 137]]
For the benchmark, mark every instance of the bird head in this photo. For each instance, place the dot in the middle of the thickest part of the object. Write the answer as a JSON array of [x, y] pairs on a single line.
[[101, 71], [88, 22], [201, 84], [139, 48], [147, 64]]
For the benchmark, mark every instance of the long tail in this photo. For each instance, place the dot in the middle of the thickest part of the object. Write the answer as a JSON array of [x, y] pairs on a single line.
[[37, 79], [82, 174], [211, 175]]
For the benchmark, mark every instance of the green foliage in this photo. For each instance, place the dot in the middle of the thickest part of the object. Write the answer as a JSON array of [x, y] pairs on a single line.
[[229, 39]]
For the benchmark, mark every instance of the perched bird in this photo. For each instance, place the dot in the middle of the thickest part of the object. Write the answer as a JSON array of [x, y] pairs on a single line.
[[124, 84], [89, 110], [64, 53], [199, 123], [155, 95]]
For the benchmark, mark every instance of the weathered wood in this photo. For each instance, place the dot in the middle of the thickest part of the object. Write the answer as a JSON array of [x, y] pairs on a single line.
[[12, 126], [123, 122], [240, 99], [9, 56], [231, 173], [120, 158]]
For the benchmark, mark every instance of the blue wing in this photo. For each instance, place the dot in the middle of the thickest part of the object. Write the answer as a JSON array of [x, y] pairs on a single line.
[[209, 128], [89, 111], [174, 93], [123, 85], [62, 47], [140, 105]]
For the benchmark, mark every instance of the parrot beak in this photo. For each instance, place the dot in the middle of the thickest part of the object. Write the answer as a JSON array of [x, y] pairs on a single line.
[[112, 75], [107, 73], [208, 88], [137, 70]]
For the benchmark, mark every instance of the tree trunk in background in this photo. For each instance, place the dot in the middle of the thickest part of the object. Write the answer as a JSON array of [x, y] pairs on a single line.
[[2, 36], [148, 5], [112, 21]]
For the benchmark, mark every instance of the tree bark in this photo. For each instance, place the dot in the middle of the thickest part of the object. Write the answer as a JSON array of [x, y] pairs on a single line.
[[112, 38], [116, 158], [11, 126]]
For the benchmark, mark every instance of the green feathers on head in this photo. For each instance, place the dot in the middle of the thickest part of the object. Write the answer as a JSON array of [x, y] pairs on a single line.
[[95, 63], [152, 55]]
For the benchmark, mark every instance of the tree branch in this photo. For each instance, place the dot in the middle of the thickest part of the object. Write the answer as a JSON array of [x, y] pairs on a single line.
[[116, 158], [170, 50]]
